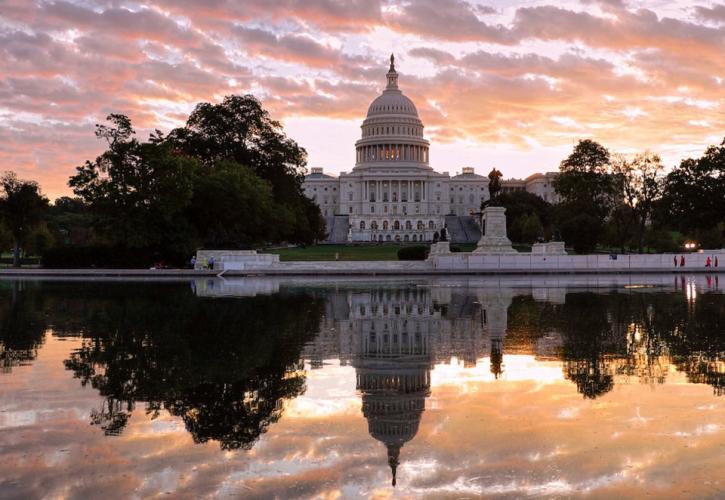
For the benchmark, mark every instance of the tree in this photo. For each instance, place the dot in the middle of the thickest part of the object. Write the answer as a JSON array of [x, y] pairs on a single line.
[[580, 230], [694, 192], [22, 207], [640, 183], [494, 183], [137, 191], [70, 221], [239, 129], [587, 191], [232, 207], [524, 208], [588, 156]]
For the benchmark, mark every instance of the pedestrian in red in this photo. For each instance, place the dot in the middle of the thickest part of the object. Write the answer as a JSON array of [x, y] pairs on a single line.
[[682, 261], [708, 262]]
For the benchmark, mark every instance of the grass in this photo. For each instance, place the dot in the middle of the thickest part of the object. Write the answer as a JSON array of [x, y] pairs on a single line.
[[345, 252]]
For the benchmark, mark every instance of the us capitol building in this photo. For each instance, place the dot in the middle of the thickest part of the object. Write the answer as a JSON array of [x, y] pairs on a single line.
[[392, 193]]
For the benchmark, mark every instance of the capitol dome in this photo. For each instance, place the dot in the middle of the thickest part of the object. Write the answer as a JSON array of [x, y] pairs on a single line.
[[392, 101], [392, 133]]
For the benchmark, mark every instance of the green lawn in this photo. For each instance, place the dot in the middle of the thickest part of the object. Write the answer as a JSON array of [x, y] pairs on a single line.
[[344, 252]]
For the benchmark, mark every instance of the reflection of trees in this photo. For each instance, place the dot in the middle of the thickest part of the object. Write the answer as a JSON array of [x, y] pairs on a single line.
[[590, 341], [22, 324], [223, 365], [696, 340]]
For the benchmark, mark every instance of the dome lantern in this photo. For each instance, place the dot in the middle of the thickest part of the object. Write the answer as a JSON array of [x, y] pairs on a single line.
[[392, 74]]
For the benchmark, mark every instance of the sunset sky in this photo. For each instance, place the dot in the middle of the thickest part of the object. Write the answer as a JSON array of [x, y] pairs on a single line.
[[510, 84]]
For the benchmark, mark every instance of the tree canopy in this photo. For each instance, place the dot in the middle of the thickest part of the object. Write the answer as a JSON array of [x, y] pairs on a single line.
[[229, 178], [22, 207]]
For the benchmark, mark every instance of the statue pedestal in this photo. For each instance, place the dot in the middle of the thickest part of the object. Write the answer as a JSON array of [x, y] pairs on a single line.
[[440, 248], [494, 240]]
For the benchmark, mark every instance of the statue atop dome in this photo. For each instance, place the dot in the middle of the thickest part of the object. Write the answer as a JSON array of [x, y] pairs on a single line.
[[392, 75]]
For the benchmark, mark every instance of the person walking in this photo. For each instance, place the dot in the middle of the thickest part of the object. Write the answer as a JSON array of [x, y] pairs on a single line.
[[708, 262], [682, 261], [674, 259], [193, 261], [210, 263], [716, 261]]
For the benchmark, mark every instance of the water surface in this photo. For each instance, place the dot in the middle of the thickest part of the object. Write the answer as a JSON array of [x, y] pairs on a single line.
[[355, 388]]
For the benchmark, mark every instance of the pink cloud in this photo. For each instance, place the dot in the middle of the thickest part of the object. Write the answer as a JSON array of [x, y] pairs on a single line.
[[476, 74]]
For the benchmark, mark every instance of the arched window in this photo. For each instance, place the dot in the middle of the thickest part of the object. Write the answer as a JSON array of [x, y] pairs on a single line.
[[374, 225], [387, 238], [396, 225], [421, 225], [406, 238], [362, 224], [385, 225], [408, 225], [431, 224], [380, 238], [415, 237]]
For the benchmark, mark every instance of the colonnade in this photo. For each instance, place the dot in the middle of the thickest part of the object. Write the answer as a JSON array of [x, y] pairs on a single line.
[[392, 152], [395, 191]]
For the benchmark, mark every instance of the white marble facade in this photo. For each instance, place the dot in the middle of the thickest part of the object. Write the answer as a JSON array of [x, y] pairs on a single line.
[[392, 193]]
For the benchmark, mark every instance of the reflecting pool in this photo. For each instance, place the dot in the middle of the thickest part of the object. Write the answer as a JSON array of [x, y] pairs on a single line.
[[356, 388]]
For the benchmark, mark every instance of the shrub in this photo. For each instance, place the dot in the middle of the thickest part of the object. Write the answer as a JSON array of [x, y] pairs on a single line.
[[107, 257], [418, 252]]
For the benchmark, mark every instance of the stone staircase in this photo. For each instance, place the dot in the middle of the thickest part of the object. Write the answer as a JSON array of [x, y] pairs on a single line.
[[337, 227], [462, 229]]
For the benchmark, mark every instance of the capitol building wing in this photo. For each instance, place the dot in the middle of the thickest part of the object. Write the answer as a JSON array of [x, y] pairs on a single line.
[[392, 194]]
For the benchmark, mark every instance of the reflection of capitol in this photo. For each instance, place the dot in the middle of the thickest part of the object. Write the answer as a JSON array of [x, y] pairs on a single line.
[[393, 337]]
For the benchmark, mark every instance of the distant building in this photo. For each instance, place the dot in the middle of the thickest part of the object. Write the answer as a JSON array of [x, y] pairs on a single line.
[[542, 185], [392, 193]]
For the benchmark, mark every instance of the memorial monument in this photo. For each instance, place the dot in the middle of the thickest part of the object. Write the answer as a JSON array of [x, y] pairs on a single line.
[[493, 233]]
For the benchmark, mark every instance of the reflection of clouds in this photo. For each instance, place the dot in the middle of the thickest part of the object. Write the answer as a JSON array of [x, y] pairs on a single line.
[[479, 436]]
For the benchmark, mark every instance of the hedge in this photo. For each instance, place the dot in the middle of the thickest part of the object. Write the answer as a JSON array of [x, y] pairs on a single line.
[[108, 257], [418, 252]]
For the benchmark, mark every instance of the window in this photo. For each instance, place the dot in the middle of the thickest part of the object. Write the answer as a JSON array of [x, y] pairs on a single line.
[[408, 225], [350, 209], [431, 224], [385, 225], [396, 225], [420, 225], [349, 196], [374, 225]]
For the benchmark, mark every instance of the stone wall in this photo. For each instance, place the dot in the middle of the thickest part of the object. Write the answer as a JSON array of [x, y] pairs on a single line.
[[237, 260], [441, 261]]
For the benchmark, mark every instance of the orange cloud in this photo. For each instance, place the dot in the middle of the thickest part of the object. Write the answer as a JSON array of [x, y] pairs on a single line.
[[534, 75]]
